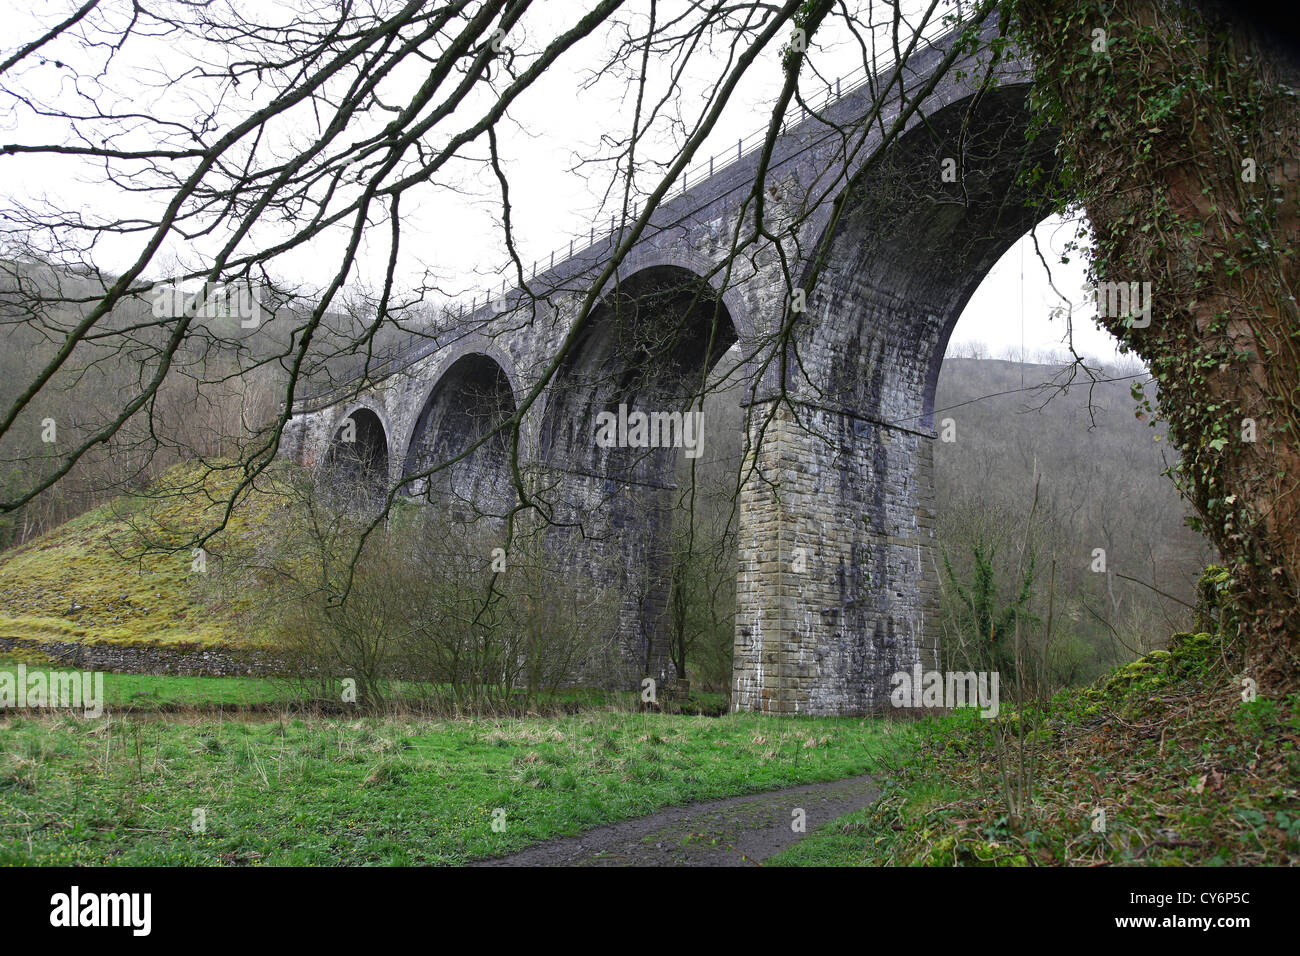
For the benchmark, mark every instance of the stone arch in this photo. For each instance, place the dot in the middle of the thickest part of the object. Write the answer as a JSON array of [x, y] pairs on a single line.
[[471, 344], [646, 257], [910, 251], [346, 411], [902, 261], [645, 351], [467, 400], [649, 340], [357, 461]]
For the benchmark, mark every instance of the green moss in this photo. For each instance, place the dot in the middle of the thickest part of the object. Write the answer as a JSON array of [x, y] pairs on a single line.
[[1187, 655], [122, 574]]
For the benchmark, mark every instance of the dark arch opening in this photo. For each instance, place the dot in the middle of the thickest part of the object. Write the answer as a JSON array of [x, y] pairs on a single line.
[[471, 400], [622, 415], [356, 463], [913, 247], [647, 347]]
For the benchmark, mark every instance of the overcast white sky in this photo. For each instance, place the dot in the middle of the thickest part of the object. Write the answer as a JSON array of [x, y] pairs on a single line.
[[454, 230], [1017, 302]]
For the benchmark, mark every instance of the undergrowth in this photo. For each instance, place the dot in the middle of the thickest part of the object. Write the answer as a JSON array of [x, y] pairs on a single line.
[[1162, 762]]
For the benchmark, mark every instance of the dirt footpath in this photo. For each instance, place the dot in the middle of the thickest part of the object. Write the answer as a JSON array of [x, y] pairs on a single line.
[[740, 831]]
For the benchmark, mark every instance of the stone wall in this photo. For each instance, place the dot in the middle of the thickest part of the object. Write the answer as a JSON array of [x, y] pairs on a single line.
[[186, 661], [844, 465]]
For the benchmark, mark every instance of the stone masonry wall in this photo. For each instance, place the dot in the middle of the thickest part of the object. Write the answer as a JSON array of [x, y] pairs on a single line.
[[833, 593], [845, 465]]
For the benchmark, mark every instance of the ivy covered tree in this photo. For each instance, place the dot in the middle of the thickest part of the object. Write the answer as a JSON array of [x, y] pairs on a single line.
[[1178, 128]]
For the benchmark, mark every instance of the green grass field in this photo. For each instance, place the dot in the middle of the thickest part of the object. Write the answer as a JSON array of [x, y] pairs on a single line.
[[128, 694], [124, 790], [1186, 772]]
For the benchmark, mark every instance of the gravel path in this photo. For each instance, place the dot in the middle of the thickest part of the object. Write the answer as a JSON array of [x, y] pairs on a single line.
[[740, 831]]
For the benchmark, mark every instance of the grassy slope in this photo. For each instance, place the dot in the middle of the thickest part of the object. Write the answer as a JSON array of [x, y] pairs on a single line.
[[1186, 772], [114, 565], [123, 791]]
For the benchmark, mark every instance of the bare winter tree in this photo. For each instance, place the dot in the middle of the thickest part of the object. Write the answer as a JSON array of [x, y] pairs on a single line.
[[249, 176]]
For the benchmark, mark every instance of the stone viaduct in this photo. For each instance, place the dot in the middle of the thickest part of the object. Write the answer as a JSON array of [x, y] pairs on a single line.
[[837, 586]]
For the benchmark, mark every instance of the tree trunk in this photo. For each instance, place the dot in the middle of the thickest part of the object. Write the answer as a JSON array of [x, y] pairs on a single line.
[[1178, 137]]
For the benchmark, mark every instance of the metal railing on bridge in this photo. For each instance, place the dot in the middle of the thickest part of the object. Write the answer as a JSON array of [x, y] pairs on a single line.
[[394, 358]]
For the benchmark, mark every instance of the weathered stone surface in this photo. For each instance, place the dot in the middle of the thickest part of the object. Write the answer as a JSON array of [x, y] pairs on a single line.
[[188, 661], [840, 465]]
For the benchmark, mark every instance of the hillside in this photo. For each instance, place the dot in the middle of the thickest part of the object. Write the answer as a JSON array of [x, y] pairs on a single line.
[[126, 573], [1160, 763], [1101, 467], [1114, 564]]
